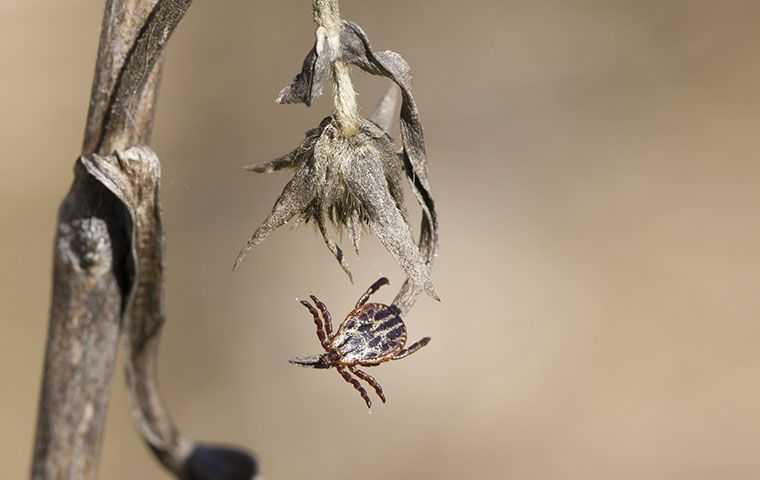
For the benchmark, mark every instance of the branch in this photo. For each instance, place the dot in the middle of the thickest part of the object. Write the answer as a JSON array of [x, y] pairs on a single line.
[[108, 264]]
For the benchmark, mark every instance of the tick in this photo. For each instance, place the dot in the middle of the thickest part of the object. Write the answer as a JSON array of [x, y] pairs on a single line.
[[371, 334]]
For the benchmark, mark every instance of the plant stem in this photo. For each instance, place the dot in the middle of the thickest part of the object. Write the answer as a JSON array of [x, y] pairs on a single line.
[[327, 18], [122, 21], [89, 256], [108, 269], [93, 245]]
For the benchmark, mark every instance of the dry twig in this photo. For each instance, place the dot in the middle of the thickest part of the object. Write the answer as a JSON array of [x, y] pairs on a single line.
[[108, 265]]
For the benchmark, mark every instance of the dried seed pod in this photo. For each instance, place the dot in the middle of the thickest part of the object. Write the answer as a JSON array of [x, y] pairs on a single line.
[[349, 182]]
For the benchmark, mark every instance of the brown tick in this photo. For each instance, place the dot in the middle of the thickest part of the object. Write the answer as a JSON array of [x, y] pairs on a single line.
[[371, 334]]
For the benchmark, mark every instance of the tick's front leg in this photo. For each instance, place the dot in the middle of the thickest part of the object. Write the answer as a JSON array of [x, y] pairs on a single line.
[[325, 315], [318, 322], [371, 290]]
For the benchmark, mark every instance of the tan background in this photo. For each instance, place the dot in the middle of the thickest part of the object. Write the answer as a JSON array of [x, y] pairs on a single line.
[[596, 168]]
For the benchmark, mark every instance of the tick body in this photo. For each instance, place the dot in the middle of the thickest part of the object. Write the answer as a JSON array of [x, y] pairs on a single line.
[[373, 333]]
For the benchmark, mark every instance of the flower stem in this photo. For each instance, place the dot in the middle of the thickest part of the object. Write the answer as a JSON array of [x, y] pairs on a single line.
[[347, 111], [326, 13], [327, 18]]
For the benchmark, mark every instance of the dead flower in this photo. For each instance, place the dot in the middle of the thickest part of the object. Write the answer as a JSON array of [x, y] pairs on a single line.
[[347, 170]]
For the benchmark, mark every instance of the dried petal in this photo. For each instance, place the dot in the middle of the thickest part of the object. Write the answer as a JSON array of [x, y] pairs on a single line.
[[388, 223], [331, 245], [303, 89], [385, 111], [308, 83], [294, 159], [291, 160], [294, 200], [355, 227]]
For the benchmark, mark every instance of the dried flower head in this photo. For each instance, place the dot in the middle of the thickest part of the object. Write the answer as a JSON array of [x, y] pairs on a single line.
[[348, 172]]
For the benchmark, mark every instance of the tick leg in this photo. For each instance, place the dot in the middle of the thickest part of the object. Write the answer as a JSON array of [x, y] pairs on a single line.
[[369, 379], [325, 315], [405, 352], [371, 290], [347, 377], [318, 322]]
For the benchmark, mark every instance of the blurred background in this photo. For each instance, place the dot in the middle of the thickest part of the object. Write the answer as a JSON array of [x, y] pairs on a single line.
[[596, 168]]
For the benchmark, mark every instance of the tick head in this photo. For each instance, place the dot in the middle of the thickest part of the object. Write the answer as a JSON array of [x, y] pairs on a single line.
[[312, 361]]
